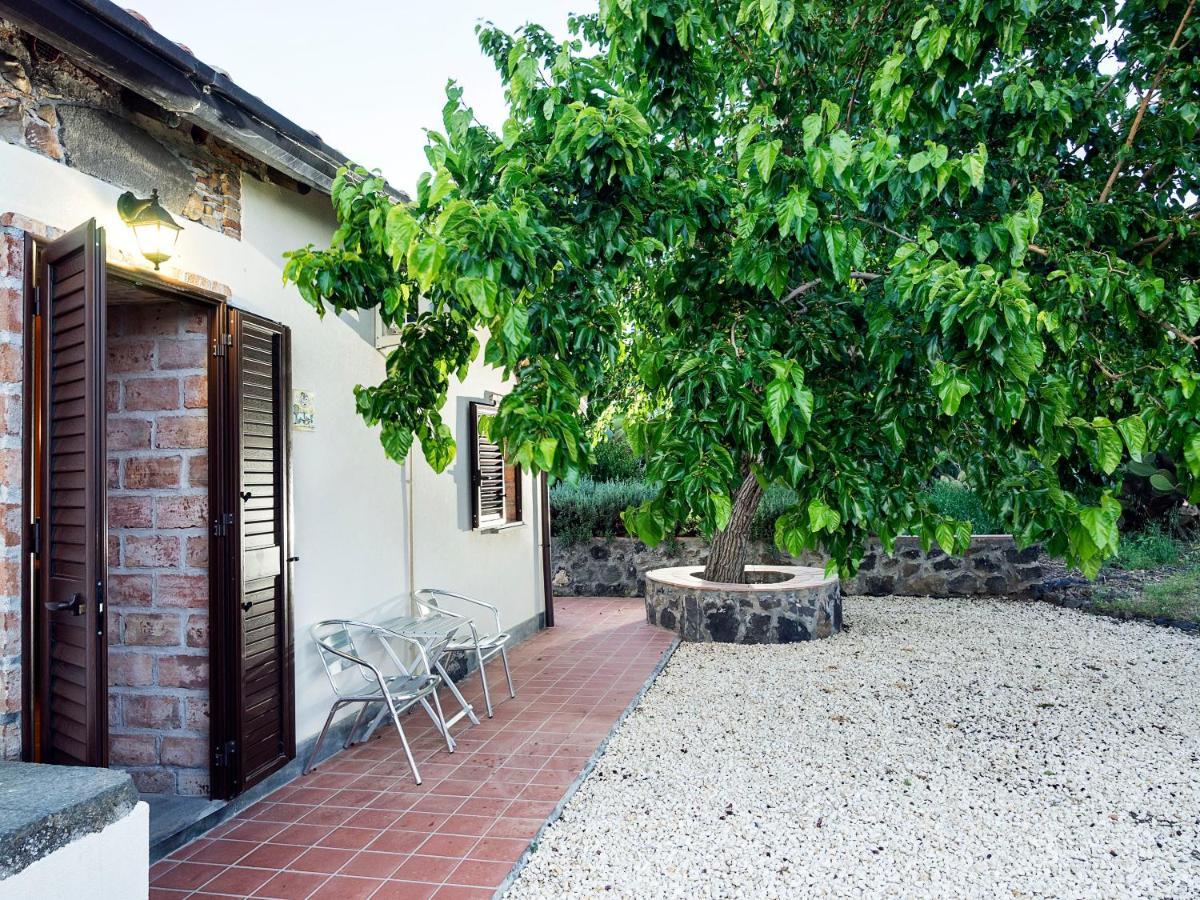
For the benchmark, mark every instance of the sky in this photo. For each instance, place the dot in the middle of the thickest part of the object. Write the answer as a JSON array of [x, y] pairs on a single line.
[[366, 75]]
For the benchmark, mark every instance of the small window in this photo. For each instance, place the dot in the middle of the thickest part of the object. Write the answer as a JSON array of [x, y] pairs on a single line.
[[495, 485]]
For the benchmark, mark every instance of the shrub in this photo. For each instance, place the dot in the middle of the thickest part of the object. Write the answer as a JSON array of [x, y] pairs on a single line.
[[774, 502], [588, 508], [615, 460], [960, 502]]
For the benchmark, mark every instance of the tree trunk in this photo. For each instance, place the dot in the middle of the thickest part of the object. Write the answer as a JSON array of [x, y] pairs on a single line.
[[727, 558]]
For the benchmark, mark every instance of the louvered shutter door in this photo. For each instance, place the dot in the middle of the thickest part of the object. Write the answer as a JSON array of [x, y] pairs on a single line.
[[72, 563], [258, 376], [487, 472]]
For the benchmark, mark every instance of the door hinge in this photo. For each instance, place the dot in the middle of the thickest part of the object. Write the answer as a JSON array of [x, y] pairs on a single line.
[[221, 343], [37, 299], [35, 537], [223, 756], [221, 524]]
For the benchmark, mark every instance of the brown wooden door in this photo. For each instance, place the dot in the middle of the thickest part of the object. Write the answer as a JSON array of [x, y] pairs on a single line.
[[71, 546], [260, 712]]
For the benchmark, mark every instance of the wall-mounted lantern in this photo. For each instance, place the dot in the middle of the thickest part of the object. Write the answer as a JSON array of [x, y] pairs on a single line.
[[153, 227]]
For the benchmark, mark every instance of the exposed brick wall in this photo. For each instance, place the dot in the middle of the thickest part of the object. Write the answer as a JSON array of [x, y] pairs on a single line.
[[53, 107], [11, 371], [158, 545]]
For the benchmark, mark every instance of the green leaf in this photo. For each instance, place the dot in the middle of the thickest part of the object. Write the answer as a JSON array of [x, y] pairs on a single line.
[[974, 165], [918, 161], [821, 517], [1101, 524], [401, 228], [764, 157], [776, 397], [1162, 483], [1191, 454], [722, 509], [425, 260], [745, 136], [1108, 444], [792, 213], [835, 247], [812, 130], [1133, 429], [843, 151]]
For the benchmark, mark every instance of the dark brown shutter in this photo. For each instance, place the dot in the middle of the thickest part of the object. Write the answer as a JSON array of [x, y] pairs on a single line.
[[72, 562], [487, 472], [265, 714]]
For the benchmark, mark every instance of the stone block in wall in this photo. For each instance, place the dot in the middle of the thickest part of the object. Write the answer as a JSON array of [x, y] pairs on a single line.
[[130, 669], [181, 432], [150, 711], [189, 591], [151, 551], [134, 749], [147, 394], [151, 629], [184, 752], [179, 671], [149, 472]]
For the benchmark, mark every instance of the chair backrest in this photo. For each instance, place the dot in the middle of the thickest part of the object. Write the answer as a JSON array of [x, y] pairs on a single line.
[[340, 653]]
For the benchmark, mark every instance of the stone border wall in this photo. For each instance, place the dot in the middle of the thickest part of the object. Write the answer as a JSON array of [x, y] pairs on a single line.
[[804, 607], [992, 567]]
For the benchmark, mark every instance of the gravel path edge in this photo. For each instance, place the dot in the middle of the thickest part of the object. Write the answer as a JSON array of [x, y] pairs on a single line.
[[575, 785]]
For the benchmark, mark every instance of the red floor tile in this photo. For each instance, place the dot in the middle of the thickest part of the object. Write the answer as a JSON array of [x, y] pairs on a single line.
[[360, 826]]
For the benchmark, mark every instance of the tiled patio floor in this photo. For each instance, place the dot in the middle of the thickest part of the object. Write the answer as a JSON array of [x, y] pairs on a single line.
[[359, 826]]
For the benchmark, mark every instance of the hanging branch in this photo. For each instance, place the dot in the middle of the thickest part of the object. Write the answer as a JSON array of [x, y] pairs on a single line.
[[1146, 98]]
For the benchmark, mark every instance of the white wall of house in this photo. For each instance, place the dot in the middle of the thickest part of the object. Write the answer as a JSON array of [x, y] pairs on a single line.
[[349, 500], [501, 567], [112, 862]]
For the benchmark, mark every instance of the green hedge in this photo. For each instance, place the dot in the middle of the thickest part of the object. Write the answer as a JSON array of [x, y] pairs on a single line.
[[592, 508], [588, 508]]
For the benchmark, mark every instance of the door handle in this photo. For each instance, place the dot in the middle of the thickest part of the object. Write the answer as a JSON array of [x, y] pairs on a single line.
[[74, 606]]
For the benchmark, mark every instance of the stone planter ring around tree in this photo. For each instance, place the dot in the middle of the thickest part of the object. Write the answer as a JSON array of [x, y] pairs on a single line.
[[777, 605]]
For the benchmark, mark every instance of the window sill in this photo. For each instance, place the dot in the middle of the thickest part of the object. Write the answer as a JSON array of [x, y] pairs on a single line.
[[499, 526]]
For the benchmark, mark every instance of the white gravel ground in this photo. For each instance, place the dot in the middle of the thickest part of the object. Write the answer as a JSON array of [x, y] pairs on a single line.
[[941, 748]]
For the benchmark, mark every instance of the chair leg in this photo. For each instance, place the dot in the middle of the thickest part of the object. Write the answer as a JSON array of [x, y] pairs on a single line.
[[512, 691], [312, 756], [349, 742], [487, 695], [462, 701], [412, 763], [442, 721]]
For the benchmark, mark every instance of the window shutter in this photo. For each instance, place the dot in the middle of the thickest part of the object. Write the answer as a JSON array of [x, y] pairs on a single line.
[[487, 466], [495, 485], [73, 559]]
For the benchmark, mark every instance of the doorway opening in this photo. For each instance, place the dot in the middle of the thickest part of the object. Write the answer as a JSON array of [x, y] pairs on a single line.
[[158, 580], [156, 400]]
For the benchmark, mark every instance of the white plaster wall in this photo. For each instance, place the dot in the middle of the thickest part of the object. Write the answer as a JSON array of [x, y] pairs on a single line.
[[501, 567], [349, 499], [112, 864]]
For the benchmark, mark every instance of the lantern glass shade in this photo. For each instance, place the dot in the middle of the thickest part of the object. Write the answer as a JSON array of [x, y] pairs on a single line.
[[156, 241], [153, 228]]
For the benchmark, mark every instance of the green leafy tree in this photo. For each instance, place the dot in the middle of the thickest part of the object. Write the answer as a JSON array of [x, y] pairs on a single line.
[[840, 244]]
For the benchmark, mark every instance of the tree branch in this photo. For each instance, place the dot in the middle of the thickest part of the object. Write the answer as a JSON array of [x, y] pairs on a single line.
[[802, 289], [1146, 98]]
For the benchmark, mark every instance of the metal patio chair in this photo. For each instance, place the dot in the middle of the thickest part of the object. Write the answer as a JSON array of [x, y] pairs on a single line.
[[355, 679], [483, 646]]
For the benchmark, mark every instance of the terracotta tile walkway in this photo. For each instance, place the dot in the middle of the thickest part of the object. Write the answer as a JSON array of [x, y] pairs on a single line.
[[359, 826]]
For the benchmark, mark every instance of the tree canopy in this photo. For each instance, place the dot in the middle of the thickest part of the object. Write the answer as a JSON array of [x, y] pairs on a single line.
[[840, 245]]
